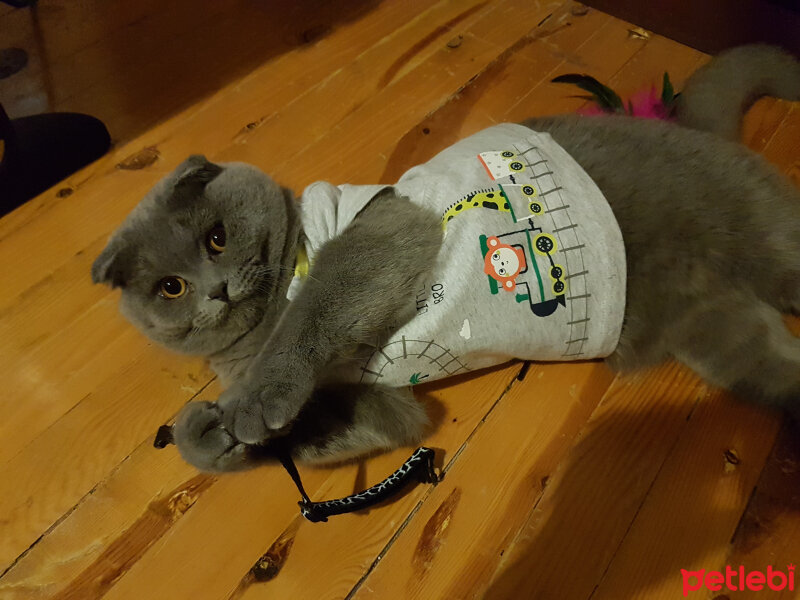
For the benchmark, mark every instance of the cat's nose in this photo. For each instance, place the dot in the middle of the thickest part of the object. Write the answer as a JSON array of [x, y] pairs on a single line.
[[220, 292]]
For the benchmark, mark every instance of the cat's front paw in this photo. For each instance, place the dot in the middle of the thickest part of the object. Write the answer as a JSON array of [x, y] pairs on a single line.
[[204, 442], [262, 410]]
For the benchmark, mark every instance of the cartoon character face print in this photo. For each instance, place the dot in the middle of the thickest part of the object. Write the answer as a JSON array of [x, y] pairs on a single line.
[[503, 263]]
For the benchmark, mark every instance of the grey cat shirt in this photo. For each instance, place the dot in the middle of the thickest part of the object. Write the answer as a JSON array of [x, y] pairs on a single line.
[[532, 265]]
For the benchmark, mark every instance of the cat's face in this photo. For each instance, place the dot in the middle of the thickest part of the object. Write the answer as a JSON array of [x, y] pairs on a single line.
[[199, 260]]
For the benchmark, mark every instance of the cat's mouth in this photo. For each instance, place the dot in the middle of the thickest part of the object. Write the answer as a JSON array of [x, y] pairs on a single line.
[[213, 316], [231, 317]]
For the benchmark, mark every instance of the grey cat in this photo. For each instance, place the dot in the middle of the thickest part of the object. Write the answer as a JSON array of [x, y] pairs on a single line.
[[711, 233]]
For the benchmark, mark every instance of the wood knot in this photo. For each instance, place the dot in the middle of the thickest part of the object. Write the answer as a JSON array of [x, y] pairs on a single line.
[[638, 33], [64, 192], [144, 158], [579, 10], [271, 562], [455, 42], [312, 34], [435, 531], [732, 459], [181, 502]]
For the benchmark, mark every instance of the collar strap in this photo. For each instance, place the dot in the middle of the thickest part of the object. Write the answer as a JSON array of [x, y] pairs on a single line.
[[301, 262]]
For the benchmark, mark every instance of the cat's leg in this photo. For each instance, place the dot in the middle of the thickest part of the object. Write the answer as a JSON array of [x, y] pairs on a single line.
[[339, 422], [741, 343], [348, 420], [361, 283]]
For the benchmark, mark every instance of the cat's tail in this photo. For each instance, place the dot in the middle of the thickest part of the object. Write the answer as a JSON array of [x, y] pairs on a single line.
[[718, 94]]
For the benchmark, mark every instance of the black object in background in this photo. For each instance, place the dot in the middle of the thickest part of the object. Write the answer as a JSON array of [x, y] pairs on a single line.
[[41, 150]]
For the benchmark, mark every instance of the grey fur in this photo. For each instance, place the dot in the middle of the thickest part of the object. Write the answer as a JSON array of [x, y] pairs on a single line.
[[718, 94], [712, 235]]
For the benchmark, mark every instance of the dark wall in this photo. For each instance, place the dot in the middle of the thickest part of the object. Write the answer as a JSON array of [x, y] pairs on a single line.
[[713, 25]]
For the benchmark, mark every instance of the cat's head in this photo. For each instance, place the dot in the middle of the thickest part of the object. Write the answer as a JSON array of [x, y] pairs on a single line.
[[201, 258]]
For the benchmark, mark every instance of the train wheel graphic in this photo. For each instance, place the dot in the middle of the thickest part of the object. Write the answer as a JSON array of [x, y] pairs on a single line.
[[415, 361]]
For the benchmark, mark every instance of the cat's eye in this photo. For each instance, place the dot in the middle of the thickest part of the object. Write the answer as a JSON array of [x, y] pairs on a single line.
[[172, 287], [215, 240]]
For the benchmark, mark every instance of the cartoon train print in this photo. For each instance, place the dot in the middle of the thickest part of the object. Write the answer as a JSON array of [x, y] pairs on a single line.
[[520, 261], [494, 199], [515, 185], [491, 198], [511, 263]]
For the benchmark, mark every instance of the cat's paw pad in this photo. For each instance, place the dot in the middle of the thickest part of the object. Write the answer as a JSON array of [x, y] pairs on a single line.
[[255, 416], [204, 442]]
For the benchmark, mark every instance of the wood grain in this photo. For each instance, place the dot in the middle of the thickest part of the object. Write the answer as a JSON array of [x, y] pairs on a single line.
[[692, 509], [573, 533]]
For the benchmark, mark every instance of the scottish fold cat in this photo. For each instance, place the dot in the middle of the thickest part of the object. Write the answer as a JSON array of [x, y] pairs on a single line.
[[635, 239]]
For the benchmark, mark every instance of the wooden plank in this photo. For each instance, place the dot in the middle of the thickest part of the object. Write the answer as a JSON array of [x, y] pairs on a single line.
[[53, 382], [127, 511], [762, 122], [65, 43], [55, 470], [647, 68], [445, 72], [455, 541], [244, 515], [521, 71], [695, 502], [297, 126], [589, 502], [108, 59], [782, 149], [551, 53], [768, 534], [97, 541], [69, 28], [251, 32]]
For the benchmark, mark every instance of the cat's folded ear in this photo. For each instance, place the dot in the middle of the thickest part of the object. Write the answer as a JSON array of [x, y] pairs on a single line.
[[192, 176], [114, 265]]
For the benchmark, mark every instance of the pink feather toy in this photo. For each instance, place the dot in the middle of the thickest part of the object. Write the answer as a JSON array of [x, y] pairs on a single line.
[[646, 104]]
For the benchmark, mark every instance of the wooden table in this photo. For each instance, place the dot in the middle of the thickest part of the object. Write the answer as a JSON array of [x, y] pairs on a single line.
[[567, 483]]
